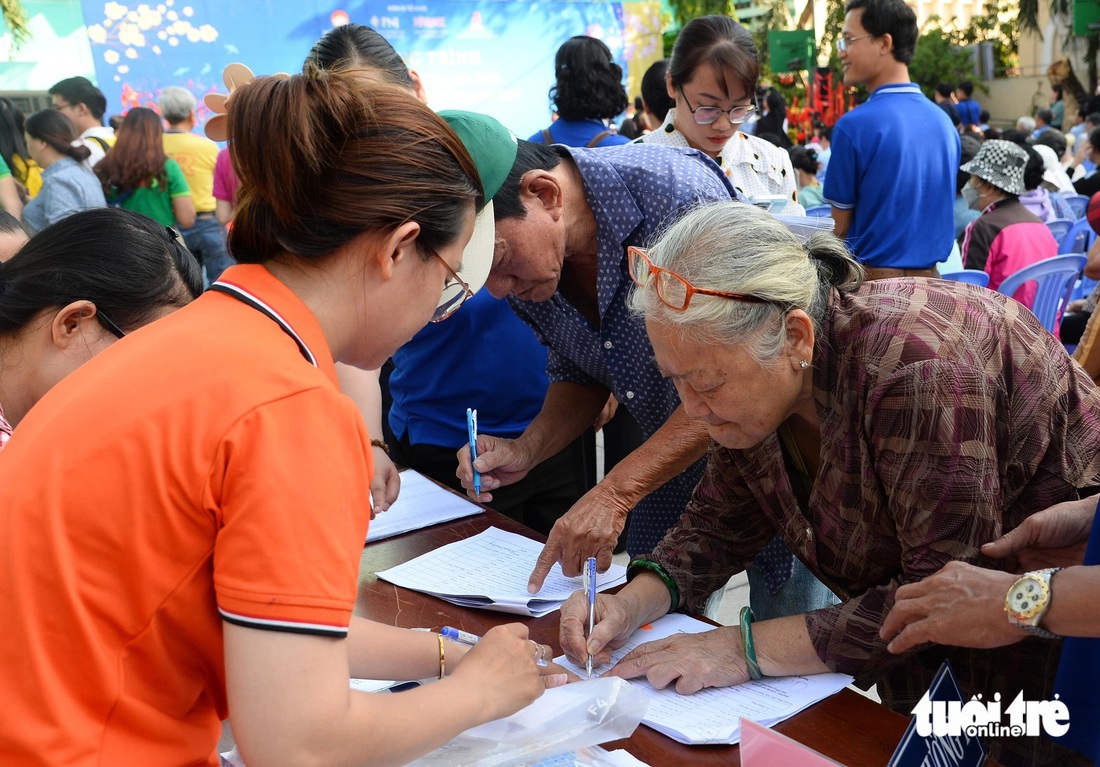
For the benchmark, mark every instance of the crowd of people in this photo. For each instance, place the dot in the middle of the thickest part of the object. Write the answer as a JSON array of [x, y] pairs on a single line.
[[888, 454]]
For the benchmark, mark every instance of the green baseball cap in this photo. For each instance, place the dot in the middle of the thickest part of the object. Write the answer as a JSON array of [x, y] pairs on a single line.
[[493, 149]]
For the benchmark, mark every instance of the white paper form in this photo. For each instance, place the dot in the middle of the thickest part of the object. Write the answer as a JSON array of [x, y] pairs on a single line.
[[421, 503], [713, 715], [490, 571]]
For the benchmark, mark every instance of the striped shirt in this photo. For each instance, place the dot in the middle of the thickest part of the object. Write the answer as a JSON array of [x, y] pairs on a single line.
[[947, 416]]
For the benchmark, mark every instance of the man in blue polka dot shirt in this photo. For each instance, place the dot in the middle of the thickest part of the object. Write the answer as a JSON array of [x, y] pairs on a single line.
[[564, 219]]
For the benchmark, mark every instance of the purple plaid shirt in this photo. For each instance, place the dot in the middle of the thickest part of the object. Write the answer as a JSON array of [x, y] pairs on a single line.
[[948, 415]]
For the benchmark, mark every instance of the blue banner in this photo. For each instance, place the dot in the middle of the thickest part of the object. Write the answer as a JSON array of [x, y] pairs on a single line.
[[494, 57]]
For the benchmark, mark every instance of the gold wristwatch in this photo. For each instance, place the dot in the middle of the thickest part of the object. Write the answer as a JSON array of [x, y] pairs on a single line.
[[1028, 599]]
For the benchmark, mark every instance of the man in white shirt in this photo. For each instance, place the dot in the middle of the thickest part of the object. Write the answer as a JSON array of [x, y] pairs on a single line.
[[84, 104]]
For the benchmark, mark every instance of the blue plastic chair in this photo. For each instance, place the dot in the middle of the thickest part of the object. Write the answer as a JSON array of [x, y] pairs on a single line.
[[820, 211], [1078, 202], [1055, 278], [1059, 227], [1078, 239], [1084, 288], [969, 276]]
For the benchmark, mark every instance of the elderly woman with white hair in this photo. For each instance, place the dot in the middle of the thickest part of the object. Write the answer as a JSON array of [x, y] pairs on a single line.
[[881, 429]]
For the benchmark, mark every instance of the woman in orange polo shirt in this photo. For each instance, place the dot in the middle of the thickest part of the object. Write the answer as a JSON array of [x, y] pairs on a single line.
[[184, 516]]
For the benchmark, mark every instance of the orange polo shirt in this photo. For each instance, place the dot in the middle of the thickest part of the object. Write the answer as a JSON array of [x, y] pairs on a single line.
[[200, 470]]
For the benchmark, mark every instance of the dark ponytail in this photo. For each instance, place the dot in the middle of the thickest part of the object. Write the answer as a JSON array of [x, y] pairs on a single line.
[[366, 157], [804, 159], [58, 132]]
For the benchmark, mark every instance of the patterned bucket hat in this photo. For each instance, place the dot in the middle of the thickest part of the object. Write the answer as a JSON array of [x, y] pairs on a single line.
[[1002, 164]]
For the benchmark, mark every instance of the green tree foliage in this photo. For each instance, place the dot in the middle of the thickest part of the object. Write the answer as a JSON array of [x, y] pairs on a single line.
[[684, 11], [16, 17], [1000, 27], [939, 59]]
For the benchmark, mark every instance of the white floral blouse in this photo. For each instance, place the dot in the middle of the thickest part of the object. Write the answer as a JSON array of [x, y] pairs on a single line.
[[754, 166]]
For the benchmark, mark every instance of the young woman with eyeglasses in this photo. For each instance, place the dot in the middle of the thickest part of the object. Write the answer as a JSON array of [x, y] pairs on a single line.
[[712, 79], [184, 516], [75, 289]]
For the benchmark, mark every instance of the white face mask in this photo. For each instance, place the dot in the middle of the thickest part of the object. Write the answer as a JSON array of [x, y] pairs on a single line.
[[972, 197]]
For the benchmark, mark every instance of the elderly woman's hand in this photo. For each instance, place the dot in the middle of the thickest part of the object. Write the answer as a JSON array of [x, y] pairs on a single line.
[[615, 622], [690, 661]]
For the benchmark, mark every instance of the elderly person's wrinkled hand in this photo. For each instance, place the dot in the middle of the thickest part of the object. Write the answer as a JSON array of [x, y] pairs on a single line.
[[499, 461], [961, 605], [688, 661], [616, 620], [589, 529]]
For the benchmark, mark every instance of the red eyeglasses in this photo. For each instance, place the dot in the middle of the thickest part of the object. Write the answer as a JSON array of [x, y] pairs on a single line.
[[674, 291]]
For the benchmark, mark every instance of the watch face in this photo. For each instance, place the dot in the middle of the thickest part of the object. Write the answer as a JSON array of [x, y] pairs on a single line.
[[1027, 597]]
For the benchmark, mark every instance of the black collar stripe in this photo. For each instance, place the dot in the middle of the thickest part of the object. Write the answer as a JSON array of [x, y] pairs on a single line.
[[247, 298]]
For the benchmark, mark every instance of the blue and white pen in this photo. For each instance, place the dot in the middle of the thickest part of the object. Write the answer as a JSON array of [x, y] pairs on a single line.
[[471, 426], [466, 638], [590, 587], [460, 636]]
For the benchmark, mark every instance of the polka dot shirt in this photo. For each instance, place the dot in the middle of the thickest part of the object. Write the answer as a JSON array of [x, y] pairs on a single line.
[[634, 192]]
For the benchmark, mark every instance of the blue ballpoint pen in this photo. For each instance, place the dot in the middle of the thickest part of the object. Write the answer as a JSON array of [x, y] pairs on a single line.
[[460, 636], [466, 638], [471, 426], [590, 586]]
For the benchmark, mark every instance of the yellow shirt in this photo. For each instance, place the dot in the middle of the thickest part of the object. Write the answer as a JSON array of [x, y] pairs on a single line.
[[196, 155]]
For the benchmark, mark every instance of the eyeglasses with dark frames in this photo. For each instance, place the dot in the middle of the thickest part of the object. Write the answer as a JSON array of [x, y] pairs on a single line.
[[674, 291], [455, 293], [109, 325], [710, 115]]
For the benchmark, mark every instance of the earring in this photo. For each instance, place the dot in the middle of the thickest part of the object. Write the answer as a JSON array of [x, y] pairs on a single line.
[[803, 364]]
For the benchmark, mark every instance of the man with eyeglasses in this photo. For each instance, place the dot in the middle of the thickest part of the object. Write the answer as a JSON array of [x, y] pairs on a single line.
[[565, 218], [84, 104], [891, 180]]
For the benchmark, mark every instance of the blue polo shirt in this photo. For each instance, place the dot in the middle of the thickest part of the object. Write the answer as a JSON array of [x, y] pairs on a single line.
[[634, 192], [893, 164], [482, 357], [578, 133]]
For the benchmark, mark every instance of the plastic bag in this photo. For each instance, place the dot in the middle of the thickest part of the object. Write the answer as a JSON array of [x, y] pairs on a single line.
[[562, 719]]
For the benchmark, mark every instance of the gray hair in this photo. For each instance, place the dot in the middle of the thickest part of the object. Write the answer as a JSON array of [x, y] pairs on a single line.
[[738, 248], [1025, 123], [176, 104]]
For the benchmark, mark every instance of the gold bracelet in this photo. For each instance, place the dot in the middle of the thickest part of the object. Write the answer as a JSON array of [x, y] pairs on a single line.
[[380, 444], [442, 657]]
